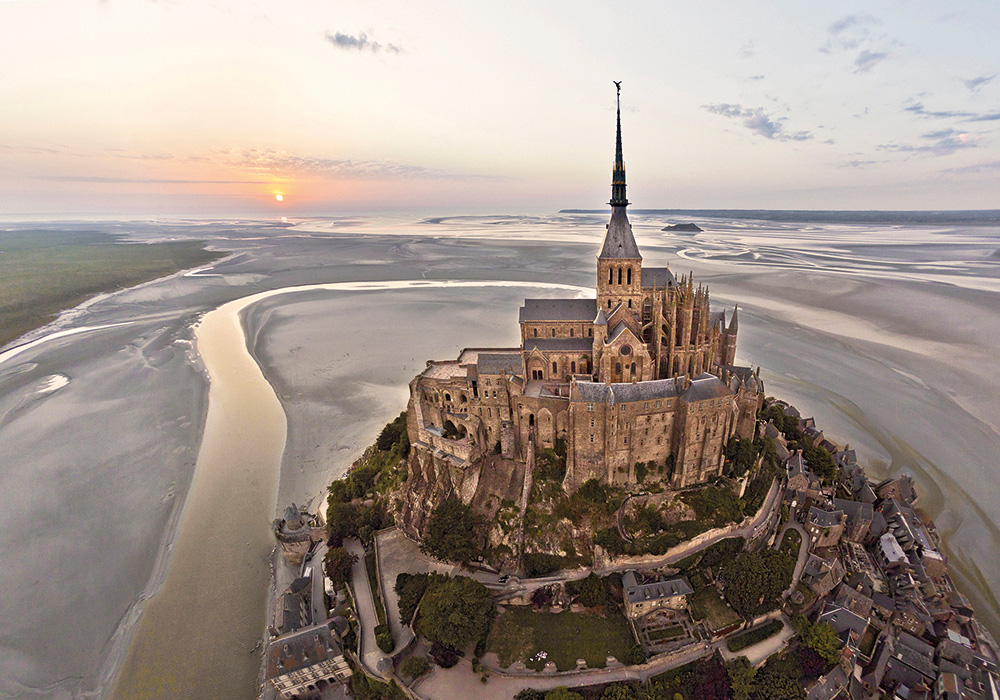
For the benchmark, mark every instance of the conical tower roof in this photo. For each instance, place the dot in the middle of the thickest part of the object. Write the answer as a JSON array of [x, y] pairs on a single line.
[[619, 241]]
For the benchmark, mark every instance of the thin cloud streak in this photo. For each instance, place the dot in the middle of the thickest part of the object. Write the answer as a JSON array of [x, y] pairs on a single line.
[[281, 164], [359, 42], [142, 181]]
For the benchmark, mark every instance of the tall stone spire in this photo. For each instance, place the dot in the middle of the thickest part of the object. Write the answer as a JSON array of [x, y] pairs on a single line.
[[618, 198], [618, 241]]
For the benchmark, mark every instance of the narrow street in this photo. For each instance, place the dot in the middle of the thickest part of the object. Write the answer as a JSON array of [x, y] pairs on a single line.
[[370, 653]]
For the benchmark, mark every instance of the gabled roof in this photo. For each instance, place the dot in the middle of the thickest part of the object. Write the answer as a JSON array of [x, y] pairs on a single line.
[[557, 310], [639, 593]]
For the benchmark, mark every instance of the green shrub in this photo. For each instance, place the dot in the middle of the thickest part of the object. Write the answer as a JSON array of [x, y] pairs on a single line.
[[415, 666]]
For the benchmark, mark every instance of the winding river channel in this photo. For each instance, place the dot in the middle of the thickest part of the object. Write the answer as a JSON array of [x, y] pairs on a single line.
[[218, 566]]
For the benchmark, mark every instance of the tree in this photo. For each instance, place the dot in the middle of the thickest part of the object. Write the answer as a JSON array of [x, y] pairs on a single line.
[[822, 639], [410, 588], [340, 523], [619, 691], [779, 679], [337, 564], [640, 471], [562, 693], [530, 694], [755, 580], [820, 461], [415, 666], [453, 533], [741, 675], [455, 611], [590, 592], [394, 434]]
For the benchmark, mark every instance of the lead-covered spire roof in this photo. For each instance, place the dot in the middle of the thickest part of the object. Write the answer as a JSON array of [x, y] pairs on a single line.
[[619, 241]]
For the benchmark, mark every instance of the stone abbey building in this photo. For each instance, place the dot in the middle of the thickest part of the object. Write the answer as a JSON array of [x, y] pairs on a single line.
[[644, 373]]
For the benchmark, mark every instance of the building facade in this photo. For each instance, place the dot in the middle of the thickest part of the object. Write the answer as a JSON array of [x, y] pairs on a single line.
[[643, 373]]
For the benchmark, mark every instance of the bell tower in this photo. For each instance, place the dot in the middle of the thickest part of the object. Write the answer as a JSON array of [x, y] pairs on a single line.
[[619, 265]]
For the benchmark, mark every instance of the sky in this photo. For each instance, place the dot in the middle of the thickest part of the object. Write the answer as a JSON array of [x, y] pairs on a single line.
[[211, 108]]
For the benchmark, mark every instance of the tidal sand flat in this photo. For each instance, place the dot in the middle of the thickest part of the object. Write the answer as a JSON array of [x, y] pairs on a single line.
[[886, 333]]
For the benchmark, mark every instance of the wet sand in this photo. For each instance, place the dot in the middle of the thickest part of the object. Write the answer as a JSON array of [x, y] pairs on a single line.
[[886, 334]]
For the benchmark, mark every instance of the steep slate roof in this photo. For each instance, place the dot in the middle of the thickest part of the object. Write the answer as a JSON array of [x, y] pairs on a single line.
[[824, 518], [639, 593], [706, 386], [559, 344], [307, 647], [557, 310], [618, 240], [658, 277], [496, 362], [622, 393]]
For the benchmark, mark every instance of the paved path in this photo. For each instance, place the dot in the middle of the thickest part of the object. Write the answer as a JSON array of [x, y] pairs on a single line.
[[319, 611], [460, 682], [370, 653]]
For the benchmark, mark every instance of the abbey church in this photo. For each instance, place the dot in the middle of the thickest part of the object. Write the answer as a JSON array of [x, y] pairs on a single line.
[[643, 374]]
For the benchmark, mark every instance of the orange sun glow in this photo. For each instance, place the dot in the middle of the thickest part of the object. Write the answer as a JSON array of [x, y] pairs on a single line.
[[280, 197]]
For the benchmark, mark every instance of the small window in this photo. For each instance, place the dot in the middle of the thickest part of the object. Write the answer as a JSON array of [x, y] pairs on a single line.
[[555, 369], [571, 332], [618, 368], [630, 303], [553, 332], [536, 332], [630, 282], [619, 275], [645, 404], [591, 422], [487, 382], [591, 437], [590, 332], [572, 367], [590, 406]]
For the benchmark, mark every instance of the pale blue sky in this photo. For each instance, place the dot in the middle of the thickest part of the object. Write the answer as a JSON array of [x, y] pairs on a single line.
[[182, 107]]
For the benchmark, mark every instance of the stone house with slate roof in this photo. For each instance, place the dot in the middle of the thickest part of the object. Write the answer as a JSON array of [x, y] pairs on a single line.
[[643, 373]]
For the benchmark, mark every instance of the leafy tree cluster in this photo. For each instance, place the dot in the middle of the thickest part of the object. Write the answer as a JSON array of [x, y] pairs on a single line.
[[394, 436], [455, 532], [821, 638], [717, 505], [595, 591], [375, 474], [337, 565], [383, 638], [755, 580], [410, 588], [355, 519], [541, 564], [741, 454], [455, 611], [593, 501], [820, 461], [415, 666], [364, 687]]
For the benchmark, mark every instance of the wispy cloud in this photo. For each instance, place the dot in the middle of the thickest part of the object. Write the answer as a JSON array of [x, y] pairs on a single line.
[[141, 180], [758, 121], [975, 83], [919, 109], [989, 167], [747, 50], [358, 42], [859, 163], [943, 143], [756, 77], [848, 33], [867, 60], [288, 165]]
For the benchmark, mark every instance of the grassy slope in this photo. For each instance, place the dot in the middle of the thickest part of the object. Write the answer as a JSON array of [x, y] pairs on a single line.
[[45, 272]]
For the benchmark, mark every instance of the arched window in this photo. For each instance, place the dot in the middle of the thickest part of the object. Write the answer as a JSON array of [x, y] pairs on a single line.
[[611, 275], [630, 303], [618, 368], [447, 397], [630, 275], [536, 332], [553, 332], [531, 420], [572, 332], [555, 369], [572, 367], [619, 275], [633, 368]]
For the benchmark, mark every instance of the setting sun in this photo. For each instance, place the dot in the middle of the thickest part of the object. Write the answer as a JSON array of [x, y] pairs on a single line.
[[280, 197]]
